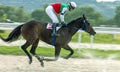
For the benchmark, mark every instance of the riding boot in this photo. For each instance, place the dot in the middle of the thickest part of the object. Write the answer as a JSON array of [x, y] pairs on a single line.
[[54, 32]]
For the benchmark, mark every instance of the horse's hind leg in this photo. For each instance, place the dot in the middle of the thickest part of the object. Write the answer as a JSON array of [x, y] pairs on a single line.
[[24, 48], [33, 49]]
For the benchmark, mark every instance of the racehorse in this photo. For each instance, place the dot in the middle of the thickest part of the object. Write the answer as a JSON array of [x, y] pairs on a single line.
[[33, 31]]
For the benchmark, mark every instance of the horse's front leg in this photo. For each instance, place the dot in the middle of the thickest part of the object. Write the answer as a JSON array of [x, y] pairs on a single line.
[[57, 53], [67, 47]]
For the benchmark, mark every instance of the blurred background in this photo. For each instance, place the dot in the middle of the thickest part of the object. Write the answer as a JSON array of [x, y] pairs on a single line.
[[104, 15], [99, 13]]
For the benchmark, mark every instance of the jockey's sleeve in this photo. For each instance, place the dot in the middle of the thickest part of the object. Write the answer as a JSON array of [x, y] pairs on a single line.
[[62, 14]]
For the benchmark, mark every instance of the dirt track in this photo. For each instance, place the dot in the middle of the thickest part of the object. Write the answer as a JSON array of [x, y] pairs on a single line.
[[10, 63], [20, 64]]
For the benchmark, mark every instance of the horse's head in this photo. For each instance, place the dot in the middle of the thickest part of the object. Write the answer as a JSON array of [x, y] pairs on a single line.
[[87, 27], [82, 23]]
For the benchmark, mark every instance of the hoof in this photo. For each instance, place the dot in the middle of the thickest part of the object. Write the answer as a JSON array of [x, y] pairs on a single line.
[[65, 57], [42, 64], [30, 61], [41, 61]]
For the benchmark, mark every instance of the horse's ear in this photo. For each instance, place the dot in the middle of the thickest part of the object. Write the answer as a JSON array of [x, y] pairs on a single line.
[[84, 16]]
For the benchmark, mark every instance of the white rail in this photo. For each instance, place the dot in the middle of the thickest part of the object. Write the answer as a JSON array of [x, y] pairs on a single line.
[[109, 30], [8, 26]]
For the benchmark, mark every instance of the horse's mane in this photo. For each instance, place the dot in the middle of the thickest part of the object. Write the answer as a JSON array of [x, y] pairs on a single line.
[[73, 21]]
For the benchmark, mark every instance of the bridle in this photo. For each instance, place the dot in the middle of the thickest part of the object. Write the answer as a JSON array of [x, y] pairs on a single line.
[[84, 26]]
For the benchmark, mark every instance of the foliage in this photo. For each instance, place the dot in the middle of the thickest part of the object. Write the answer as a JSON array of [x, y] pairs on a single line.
[[13, 13], [40, 15], [21, 15], [117, 16], [95, 18], [106, 8]]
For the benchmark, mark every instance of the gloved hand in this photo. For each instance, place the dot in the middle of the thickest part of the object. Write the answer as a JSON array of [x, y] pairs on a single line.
[[64, 24]]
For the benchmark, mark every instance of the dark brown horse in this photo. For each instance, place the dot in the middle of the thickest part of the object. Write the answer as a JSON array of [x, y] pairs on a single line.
[[34, 31]]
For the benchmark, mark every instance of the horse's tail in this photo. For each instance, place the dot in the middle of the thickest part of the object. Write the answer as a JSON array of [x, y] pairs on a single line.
[[14, 35]]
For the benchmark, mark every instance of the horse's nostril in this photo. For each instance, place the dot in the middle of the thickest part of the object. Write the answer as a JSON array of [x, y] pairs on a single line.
[[94, 33]]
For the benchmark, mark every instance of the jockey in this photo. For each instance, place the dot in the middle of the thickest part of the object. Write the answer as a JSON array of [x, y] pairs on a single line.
[[61, 9]]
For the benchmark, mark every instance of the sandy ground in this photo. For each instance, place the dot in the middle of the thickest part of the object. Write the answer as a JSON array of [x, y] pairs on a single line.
[[10, 63]]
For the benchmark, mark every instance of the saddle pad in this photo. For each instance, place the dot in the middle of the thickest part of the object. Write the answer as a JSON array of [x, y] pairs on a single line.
[[49, 26]]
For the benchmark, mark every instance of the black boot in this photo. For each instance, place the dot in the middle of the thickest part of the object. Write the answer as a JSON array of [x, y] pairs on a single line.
[[54, 32]]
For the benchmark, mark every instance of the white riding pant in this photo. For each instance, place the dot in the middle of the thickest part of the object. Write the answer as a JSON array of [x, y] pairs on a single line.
[[50, 12]]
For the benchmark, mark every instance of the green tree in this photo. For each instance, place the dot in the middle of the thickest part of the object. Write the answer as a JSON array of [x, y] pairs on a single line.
[[40, 15], [21, 16], [13, 13], [3, 17], [117, 16]]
